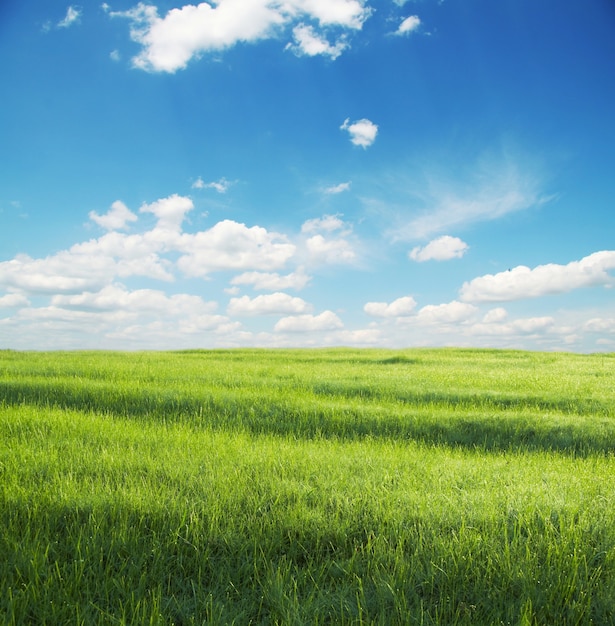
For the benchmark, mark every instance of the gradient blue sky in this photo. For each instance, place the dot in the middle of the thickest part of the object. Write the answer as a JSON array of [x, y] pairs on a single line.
[[307, 173]]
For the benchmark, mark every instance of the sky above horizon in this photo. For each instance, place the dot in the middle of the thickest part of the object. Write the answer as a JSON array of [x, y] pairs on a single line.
[[307, 173]]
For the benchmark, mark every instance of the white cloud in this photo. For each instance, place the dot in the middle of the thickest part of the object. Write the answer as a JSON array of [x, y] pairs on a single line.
[[440, 249], [362, 132], [409, 25], [170, 42], [495, 316], [309, 43], [515, 328], [450, 313], [270, 304], [523, 282], [326, 223], [170, 212], [13, 300], [401, 307], [600, 325], [273, 281], [338, 188], [116, 297], [232, 246], [116, 218], [330, 251], [496, 187], [309, 323], [221, 186], [72, 15], [115, 55]]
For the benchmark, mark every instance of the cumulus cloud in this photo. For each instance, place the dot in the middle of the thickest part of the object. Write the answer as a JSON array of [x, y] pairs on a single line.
[[330, 251], [170, 42], [440, 249], [230, 245], [401, 307], [362, 132], [408, 25], [600, 325], [170, 212], [495, 316], [13, 300], [450, 313], [156, 253], [272, 281], [274, 303], [307, 42], [309, 323], [73, 15], [332, 248], [523, 282], [515, 328], [116, 297], [116, 218]]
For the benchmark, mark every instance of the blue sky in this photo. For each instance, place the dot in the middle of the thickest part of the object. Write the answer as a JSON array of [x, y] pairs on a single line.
[[307, 173]]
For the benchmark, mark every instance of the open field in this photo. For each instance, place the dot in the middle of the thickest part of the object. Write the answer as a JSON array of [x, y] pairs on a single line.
[[307, 487]]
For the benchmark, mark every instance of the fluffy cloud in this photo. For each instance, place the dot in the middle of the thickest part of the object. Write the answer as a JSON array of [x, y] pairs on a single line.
[[440, 249], [330, 251], [273, 281], [309, 43], [13, 300], [450, 313], [362, 132], [409, 25], [170, 212], [116, 218], [233, 246], [523, 282], [170, 42], [515, 328], [116, 297], [401, 307], [309, 323], [494, 316], [275, 303]]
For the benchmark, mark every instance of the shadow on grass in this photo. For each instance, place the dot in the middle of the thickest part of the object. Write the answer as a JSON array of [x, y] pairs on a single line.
[[487, 422]]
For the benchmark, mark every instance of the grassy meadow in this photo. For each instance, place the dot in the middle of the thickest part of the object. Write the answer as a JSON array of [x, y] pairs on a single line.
[[307, 487]]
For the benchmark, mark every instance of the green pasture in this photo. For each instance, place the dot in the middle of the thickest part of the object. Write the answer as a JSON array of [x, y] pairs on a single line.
[[307, 487]]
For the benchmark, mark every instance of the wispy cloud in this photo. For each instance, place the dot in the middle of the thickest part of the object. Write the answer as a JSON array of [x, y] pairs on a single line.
[[221, 186], [495, 188], [335, 189], [73, 15]]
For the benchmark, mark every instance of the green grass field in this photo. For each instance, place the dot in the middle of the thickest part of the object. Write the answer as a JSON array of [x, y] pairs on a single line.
[[307, 487]]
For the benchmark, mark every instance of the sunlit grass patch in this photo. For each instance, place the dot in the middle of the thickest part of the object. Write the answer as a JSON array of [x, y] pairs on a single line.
[[251, 487]]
